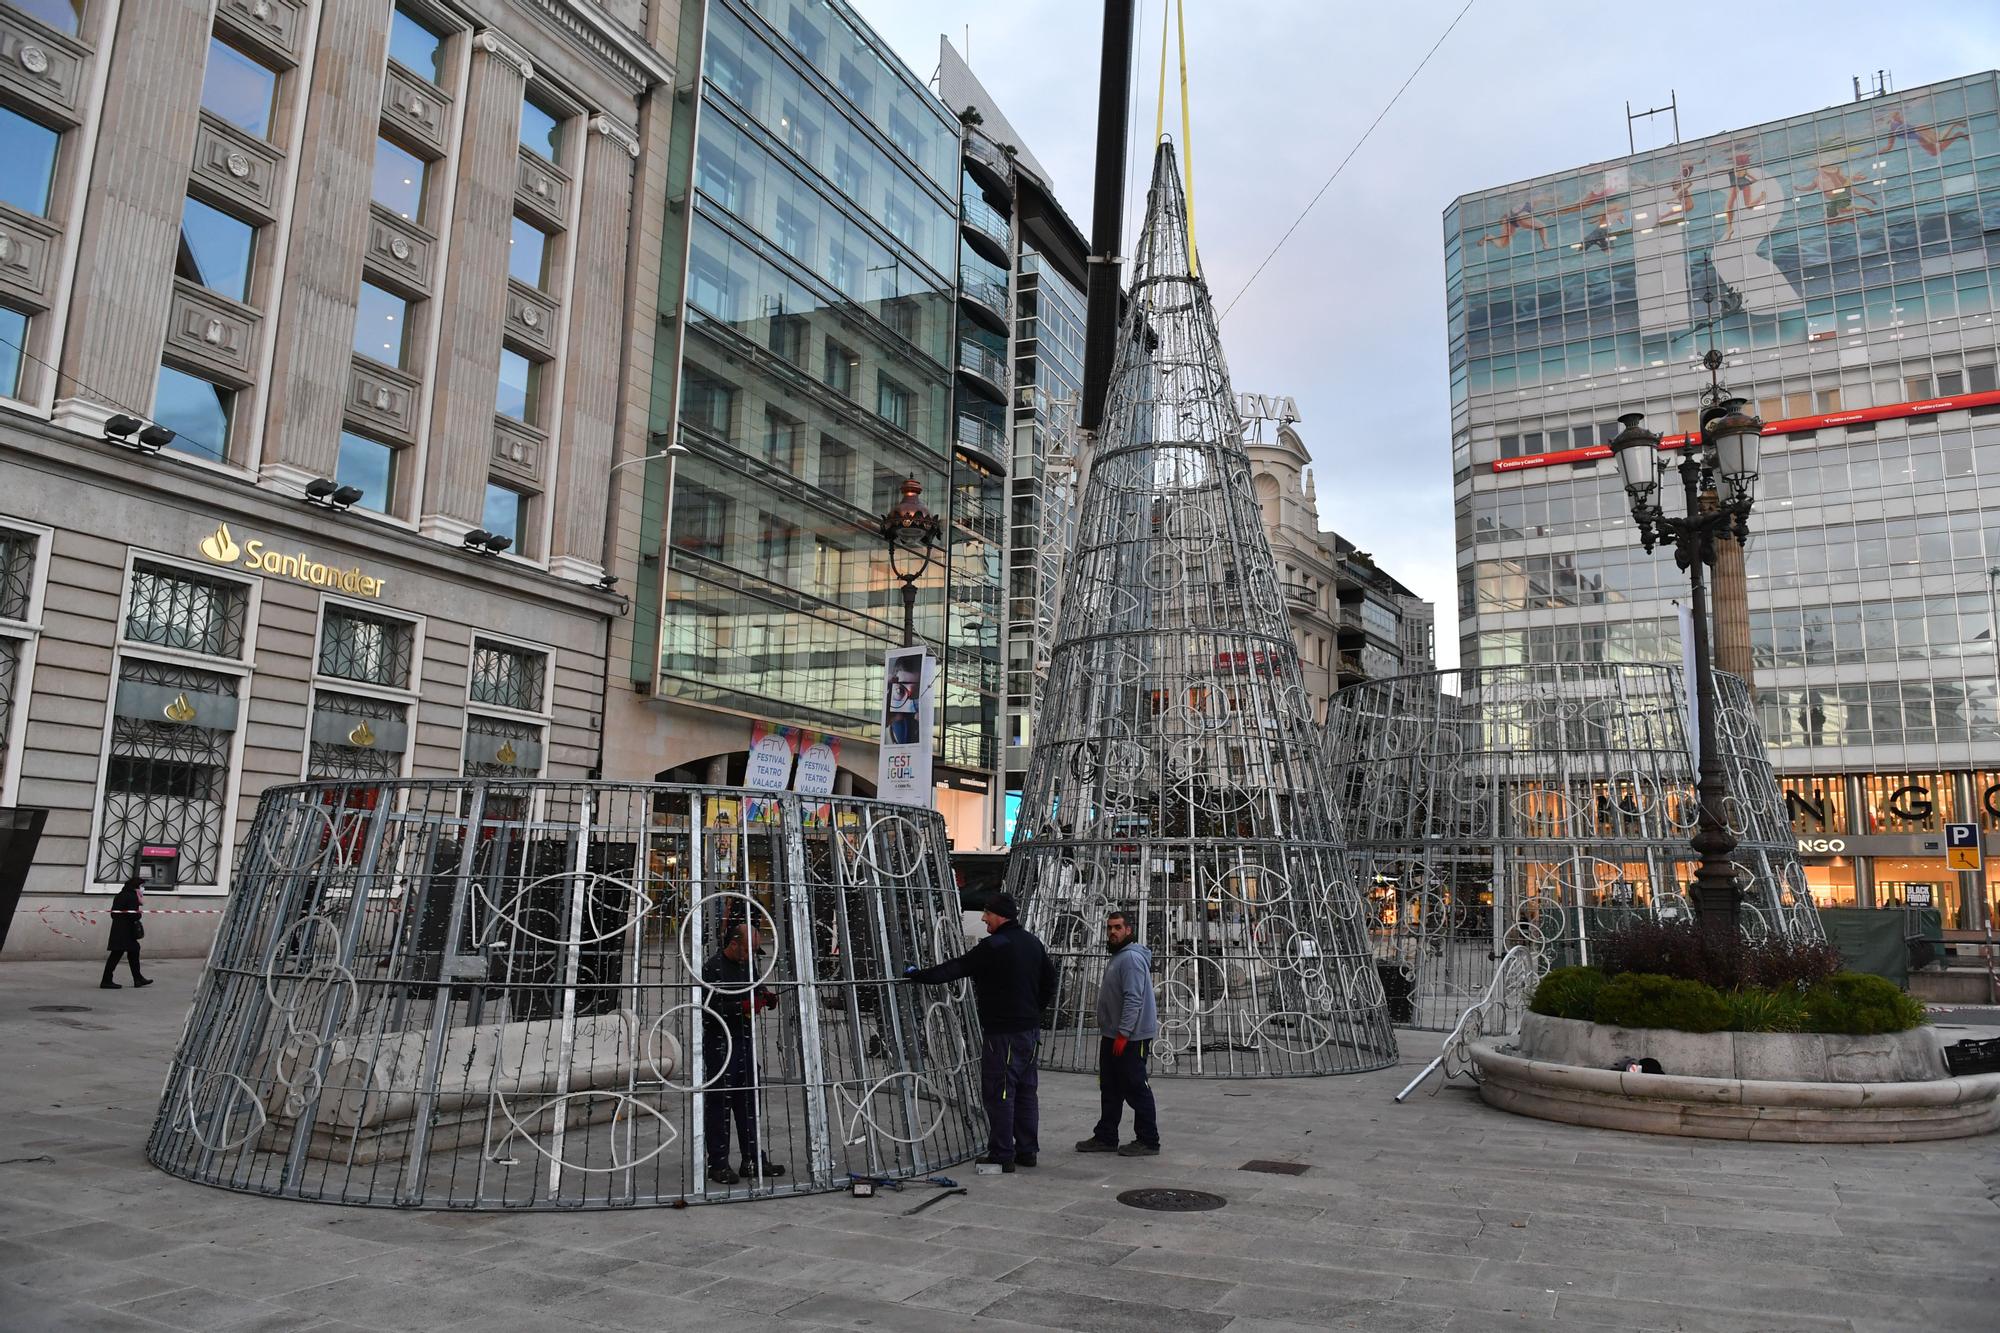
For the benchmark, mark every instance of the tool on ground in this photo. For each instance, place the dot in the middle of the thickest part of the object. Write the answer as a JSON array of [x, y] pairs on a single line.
[[935, 1198]]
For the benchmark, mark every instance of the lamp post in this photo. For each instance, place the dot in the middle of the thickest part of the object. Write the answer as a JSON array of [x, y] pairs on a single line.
[[912, 532], [1723, 457]]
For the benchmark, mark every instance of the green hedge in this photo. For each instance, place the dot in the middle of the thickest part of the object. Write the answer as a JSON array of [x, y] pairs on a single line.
[[1848, 1004]]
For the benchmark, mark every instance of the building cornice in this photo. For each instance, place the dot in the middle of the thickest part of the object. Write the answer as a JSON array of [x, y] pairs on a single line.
[[617, 49]]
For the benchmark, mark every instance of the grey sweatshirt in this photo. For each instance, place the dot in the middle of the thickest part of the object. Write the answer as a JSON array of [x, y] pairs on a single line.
[[1125, 1005]]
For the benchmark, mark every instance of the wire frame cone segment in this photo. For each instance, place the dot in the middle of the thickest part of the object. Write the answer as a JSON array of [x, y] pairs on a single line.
[[1177, 771], [518, 995]]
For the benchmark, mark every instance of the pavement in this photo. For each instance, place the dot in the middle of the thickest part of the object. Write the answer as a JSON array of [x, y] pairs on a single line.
[[1440, 1214]]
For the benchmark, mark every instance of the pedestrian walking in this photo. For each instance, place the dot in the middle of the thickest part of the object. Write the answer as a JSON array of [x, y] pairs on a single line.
[[1127, 1023], [729, 1056], [126, 932], [1013, 982]]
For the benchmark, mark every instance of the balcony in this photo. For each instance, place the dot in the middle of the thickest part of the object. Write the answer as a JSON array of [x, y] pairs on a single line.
[[988, 163], [985, 230], [984, 369], [985, 301], [987, 444]]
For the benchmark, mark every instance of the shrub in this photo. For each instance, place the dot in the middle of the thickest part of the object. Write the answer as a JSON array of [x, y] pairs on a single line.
[[1683, 949], [1858, 1005], [1568, 992], [1642, 1000], [1757, 1009]]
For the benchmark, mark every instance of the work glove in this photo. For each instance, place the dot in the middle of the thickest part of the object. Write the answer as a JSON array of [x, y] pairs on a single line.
[[910, 972], [1117, 1046]]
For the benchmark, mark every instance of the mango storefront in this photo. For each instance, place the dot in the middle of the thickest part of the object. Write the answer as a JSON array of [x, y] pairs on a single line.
[[1878, 840]]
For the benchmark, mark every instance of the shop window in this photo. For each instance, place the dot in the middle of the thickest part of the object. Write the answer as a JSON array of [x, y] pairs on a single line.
[[1815, 805], [1907, 803]]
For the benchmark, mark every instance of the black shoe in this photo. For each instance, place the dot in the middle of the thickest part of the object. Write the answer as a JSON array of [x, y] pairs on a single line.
[[1137, 1149], [1024, 1159], [1094, 1144], [109, 985], [143, 981], [722, 1175], [1006, 1168], [748, 1169]]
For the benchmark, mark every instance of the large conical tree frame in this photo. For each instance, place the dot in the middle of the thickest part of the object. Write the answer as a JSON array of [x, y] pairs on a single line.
[[1177, 771]]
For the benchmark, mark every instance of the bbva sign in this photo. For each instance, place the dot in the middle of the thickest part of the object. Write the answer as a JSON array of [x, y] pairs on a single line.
[[1266, 407]]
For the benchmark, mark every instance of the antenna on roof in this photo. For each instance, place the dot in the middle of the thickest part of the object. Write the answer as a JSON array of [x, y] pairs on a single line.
[[1672, 108]]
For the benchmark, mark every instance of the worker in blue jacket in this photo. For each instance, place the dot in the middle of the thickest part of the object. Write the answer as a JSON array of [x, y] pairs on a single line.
[[1128, 1021], [1013, 982]]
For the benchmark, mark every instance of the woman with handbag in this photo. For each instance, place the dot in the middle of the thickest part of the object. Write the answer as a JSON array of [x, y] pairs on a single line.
[[126, 932]]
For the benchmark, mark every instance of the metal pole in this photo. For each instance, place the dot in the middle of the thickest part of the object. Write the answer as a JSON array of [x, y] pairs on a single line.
[[910, 609], [1107, 217], [1715, 880]]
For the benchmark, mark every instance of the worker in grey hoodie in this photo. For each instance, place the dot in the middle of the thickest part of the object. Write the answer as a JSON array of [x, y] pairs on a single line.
[[1127, 1023]]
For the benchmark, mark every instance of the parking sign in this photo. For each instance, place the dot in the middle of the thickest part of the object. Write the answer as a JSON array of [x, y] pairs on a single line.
[[1961, 846]]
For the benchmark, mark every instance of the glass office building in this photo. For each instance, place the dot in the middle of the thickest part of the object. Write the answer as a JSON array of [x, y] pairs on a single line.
[[815, 374], [1845, 262]]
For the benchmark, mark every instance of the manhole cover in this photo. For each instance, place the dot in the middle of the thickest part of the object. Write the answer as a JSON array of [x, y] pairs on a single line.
[[1275, 1168], [59, 1008], [1172, 1201]]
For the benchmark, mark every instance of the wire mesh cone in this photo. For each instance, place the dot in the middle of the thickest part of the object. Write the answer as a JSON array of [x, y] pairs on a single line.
[[514, 995], [1177, 773], [1542, 806]]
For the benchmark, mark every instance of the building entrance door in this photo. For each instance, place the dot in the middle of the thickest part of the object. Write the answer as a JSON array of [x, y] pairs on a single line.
[[1894, 877]]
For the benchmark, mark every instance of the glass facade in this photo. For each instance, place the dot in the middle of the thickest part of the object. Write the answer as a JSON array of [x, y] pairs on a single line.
[[815, 373], [1844, 263]]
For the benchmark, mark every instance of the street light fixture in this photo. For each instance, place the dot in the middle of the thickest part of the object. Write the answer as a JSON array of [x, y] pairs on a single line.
[[1724, 457], [912, 532]]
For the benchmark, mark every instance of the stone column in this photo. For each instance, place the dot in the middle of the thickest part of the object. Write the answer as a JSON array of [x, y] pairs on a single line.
[[474, 305], [330, 220], [1730, 617], [132, 211], [597, 325]]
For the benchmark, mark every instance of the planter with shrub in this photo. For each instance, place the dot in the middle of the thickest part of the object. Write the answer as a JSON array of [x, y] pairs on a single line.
[[1763, 1040]]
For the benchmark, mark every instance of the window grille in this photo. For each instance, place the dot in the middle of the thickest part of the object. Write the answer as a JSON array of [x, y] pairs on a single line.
[[17, 573], [167, 781], [365, 753], [507, 677], [175, 608], [375, 650]]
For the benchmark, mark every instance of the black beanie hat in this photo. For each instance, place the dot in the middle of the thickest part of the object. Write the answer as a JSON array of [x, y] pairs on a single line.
[[1002, 904]]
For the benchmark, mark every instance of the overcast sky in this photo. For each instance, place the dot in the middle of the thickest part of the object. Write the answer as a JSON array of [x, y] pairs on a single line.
[[1349, 317]]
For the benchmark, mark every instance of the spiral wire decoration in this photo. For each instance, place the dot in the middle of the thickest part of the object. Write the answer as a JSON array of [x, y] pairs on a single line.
[[1177, 772], [504, 995]]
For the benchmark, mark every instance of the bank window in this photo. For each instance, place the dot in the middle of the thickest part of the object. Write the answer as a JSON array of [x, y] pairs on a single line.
[[528, 255], [181, 609], [382, 326], [416, 46], [520, 392], [215, 250], [13, 337], [369, 466], [356, 738], [362, 646], [506, 676], [505, 513], [19, 553], [892, 402], [28, 147], [238, 89], [197, 410], [402, 180], [541, 130]]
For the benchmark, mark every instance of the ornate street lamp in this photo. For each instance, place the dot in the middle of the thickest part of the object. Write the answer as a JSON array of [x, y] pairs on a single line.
[[1723, 458], [912, 532]]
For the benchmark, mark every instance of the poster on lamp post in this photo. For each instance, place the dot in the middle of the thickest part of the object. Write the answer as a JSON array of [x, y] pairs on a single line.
[[909, 692]]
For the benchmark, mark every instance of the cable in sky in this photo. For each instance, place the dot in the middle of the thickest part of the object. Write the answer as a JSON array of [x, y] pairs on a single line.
[[1349, 158]]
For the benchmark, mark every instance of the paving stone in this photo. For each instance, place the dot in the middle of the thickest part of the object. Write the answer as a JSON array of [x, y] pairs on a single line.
[[1101, 1314]]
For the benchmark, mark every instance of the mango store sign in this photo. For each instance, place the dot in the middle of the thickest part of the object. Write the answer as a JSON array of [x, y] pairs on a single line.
[[256, 554]]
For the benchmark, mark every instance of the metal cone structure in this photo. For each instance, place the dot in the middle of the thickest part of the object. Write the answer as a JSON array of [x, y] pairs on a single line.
[[1177, 771]]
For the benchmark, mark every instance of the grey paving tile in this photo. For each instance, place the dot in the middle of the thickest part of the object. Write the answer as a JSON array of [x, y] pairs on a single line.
[[1185, 1292], [1102, 1314]]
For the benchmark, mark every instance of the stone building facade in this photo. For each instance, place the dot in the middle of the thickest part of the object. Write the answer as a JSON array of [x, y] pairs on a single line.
[[372, 265]]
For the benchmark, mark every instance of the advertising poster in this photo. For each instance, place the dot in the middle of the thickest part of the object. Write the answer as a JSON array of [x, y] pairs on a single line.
[[819, 762], [909, 693], [770, 765]]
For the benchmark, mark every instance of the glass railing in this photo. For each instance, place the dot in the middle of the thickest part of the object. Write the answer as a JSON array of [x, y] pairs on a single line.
[[983, 218], [991, 295], [983, 362], [981, 438]]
